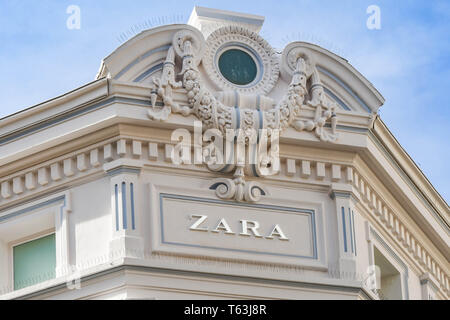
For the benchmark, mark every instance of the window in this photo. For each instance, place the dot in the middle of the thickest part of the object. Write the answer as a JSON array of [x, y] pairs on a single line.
[[238, 67], [34, 242], [34, 261], [390, 278]]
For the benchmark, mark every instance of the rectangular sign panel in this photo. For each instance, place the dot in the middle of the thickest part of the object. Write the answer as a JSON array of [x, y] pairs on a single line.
[[256, 232]]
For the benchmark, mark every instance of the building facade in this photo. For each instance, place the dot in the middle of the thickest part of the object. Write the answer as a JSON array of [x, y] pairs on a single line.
[[204, 164]]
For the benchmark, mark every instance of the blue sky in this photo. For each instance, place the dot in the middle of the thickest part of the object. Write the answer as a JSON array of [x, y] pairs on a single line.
[[408, 60]]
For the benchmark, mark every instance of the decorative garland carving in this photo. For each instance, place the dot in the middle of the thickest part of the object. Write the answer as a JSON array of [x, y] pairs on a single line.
[[216, 115]]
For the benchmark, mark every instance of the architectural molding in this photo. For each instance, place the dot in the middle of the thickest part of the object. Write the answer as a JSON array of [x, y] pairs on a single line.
[[39, 179], [63, 202], [411, 173], [399, 231], [266, 56], [130, 267], [110, 148]]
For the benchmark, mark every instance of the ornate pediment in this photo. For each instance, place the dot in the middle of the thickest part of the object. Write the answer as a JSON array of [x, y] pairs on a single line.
[[242, 105], [230, 80], [215, 109]]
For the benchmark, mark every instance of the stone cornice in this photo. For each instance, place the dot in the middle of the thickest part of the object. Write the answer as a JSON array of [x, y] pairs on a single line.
[[405, 232], [384, 167], [76, 98], [411, 208], [41, 157], [412, 171], [70, 106], [31, 158]]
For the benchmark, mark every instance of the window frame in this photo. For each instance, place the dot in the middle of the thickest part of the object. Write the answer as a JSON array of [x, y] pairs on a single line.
[[21, 241], [248, 50], [59, 207], [377, 241], [394, 264]]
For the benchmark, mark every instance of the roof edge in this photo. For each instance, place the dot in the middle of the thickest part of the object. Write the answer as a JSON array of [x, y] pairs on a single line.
[[415, 174], [56, 101]]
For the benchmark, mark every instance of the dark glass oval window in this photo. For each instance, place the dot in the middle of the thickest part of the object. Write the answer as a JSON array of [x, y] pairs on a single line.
[[238, 67]]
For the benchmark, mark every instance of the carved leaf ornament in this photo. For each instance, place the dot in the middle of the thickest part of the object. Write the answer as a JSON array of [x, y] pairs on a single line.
[[257, 126]]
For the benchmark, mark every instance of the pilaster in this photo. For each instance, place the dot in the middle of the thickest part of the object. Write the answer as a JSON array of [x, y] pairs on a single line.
[[126, 215], [345, 203]]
